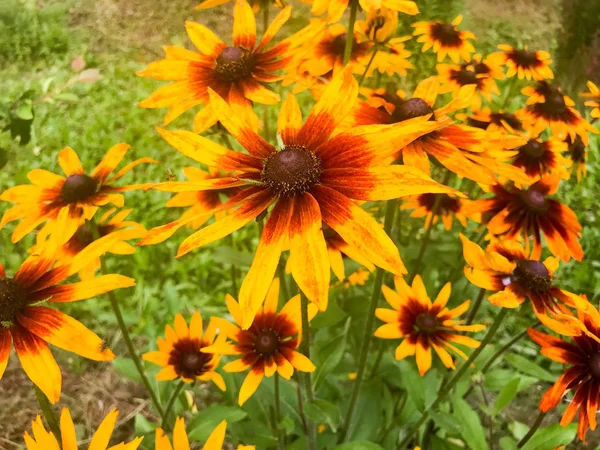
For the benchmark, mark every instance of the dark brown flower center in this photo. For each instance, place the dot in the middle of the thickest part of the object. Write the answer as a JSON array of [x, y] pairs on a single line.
[[554, 105], [535, 200], [466, 76], [533, 149], [446, 205], [292, 171], [481, 68], [447, 34], [77, 188], [187, 359], [533, 275], [266, 342], [594, 365], [338, 44], [577, 150], [524, 58], [13, 301], [411, 108], [234, 64], [477, 123], [426, 323], [509, 118]]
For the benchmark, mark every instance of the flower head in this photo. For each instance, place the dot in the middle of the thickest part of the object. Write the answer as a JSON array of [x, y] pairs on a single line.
[[577, 154], [524, 63], [79, 194], [269, 345], [45, 440], [539, 158], [379, 25], [28, 322], [181, 441], [494, 121], [423, 325], [446, 39], [448, 206], [593, 99], [181, 355]]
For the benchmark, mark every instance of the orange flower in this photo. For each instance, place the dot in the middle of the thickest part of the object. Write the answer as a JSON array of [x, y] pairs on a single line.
[[582, 376], [531, 212], [449, 206], [268, 346], [181, 355], [313, 179], [79, 194], [578, 156], [424, 325], [524, 63], [446, 39], [539, 158], [594, 99], [494, 121], [31, 326]]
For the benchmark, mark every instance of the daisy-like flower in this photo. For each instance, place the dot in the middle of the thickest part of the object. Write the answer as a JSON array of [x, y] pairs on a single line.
[[454, 77], [449, 206], [524, 63], [539, 158], [45, 440], [79, 194], [508, 270], [494, 121], [445, 39], [107, 224], [423, 325], [314, 178], [180, 352], [335, 8], [238, 73], [358, 278], [582, 355], [268, 346], [547, 107], [578, 156], [181, 441], [593, 99], [30, 325], [455, 146], [379, 26], [531, 211]]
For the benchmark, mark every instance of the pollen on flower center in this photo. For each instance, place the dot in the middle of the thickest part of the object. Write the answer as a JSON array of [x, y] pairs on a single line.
[[292, 171], [267, 342], [594, 365], [533, 275], [446, 33], [534, 199], [13, 300], [77, 188], [234, 64], [409, 109], [426, 323], [533, 148]]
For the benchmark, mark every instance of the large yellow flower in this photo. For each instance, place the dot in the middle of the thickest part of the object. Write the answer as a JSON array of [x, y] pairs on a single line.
[[181, 442], [445, 39], [524, 63]]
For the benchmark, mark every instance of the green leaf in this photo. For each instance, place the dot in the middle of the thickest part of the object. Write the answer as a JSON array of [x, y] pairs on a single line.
[[358, 445], [127, 368], [321, 411], [524, 365], [446, 422], [508, 443], [506, 395], [413, 383], [473, 433], [67, 97], [143, 425], [206, 421], [551, 437], [335, 350], [25, 111]]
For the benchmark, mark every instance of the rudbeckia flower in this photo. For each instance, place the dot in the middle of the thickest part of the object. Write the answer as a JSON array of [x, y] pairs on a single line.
[[493, 121], [539, 158], [181, 442], [268, 346], [449, 206], [582, 377], [180, 352], [578, 156], [524, 63], [314, 178], [506, 269], [107, 224], [45, 440], [238, 73], [594, 99], [445, 39], [423, 325], [335, 8], [455, 146], [379, 25], [79, 194], [28, 323], [531, 212], [454, 77]]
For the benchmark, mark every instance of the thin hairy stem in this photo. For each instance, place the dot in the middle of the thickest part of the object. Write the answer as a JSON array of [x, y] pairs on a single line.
[[533, 429], [475, 307], [350, 31], [171, 403]]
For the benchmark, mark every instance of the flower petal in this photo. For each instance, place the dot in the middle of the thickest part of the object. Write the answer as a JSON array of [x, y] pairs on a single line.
[[244, 25], [250, 385], [104, 432], [204, 39], [215, 440]]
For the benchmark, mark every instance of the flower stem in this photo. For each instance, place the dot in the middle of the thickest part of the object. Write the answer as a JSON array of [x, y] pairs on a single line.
[[307, 377], [48, 413], [447, 388], [350, 32], [390, 210], [532, 430], [364, 74], [475, 307], [280, 435], [171, 403]]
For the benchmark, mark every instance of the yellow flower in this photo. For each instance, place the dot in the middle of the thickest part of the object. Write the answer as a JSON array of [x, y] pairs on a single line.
[[181, 442], [445, 39], [524, 63], [335, 8], [594, 99], [379, 25], [448, 206]]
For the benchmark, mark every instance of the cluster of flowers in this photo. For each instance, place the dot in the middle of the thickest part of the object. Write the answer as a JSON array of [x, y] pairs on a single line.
[[308, 189]]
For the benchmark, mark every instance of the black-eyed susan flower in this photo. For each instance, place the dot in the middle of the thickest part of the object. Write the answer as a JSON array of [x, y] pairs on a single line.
[[524, 63], [453, 77], [448, 206], [539, 158], [423, 325], [593, 99], [314, 178], [356, 278], [28, 322], [268, 346], [335, 8], [506, 269], [582, 376], [45, 440], [181, 441], [445, 39], [180, 352], [577, 155], [531, 212], [379, 25], [455, 146], [494, 121], [79, 194], [238, 73]]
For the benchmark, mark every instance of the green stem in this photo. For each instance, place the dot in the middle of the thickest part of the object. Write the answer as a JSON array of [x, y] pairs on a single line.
[[390, 210], [310, 396], [475, 307], [171, 403], [532, 430], [280, 435], [350, 32], [447, 388], [48, 413], [364, 74]]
